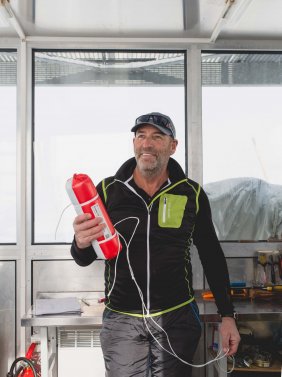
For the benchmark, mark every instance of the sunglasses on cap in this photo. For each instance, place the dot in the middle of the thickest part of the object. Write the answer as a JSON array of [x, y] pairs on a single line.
[[161, 121]]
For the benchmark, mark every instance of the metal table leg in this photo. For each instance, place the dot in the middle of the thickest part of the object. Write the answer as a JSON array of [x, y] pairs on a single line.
[[44, 352], [48, 340]]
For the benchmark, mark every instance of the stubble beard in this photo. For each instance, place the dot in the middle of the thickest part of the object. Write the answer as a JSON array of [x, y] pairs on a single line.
[[150, 169]]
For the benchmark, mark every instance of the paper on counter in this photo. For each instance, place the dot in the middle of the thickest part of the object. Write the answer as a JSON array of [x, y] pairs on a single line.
[[64, 305], [92, 310]]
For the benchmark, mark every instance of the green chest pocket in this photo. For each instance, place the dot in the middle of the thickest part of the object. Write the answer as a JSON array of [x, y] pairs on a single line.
[[171, 210]]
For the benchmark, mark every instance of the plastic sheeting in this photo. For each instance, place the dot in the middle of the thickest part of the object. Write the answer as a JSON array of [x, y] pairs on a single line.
[[246, 209]]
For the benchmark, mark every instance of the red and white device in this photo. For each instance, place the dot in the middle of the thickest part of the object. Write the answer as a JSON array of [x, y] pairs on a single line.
[[85, 198]]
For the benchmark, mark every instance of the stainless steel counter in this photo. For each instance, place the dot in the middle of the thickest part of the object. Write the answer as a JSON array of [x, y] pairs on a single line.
[[91, 298], [95, 320], [247, 311], [48, 324]]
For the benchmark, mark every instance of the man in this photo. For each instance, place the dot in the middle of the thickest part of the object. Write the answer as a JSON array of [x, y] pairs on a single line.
[[151, 322]]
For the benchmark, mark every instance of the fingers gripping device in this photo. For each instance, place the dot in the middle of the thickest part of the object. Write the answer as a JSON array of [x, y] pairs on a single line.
[[85, 198]]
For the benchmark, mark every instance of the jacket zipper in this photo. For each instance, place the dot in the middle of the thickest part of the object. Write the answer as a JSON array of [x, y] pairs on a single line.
[[148, 264], [148, 245], [164, 210]]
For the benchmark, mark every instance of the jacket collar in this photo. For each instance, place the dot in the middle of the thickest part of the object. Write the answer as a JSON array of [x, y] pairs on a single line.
[[176, 173]]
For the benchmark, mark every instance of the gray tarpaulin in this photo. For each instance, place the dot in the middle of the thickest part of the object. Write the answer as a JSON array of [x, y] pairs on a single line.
[[246, 209]]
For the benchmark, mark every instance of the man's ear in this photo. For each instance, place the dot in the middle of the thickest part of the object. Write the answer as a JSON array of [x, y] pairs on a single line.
[[174, 144]]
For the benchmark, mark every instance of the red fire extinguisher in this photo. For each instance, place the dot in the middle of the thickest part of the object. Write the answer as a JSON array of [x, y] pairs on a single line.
[[29, 366], [85, 198]]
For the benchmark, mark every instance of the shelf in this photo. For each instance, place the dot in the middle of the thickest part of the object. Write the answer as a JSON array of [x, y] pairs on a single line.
[[275, 367]]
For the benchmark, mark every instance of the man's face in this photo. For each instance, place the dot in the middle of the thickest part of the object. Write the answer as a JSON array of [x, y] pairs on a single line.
[[152, 150]]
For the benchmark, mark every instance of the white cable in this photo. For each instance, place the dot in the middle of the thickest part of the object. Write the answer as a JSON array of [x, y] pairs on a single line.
[[219, 355], [127, 247], [231, 369], [63, 211], [173, 353], [110, 291]]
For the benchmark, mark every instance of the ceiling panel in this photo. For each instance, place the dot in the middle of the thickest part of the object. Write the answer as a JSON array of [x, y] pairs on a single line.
[[259, 19], [244, 19], [104, 16]]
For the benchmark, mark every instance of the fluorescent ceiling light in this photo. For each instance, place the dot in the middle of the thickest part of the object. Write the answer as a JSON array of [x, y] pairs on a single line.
[[4, 15], [221, 21], [9, 16], [237, 10], [232, 11]]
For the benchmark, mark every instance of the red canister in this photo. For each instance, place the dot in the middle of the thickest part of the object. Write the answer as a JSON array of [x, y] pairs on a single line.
[[85, 198]]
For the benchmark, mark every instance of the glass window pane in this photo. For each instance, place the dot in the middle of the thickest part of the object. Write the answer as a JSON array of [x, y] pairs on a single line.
[[242, 151], [8, 96], [86, 102]]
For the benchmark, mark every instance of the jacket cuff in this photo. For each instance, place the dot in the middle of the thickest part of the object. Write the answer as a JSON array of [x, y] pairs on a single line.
[[82, 257]]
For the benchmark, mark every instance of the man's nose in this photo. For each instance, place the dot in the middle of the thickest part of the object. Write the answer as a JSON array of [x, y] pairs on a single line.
[[147, 141]]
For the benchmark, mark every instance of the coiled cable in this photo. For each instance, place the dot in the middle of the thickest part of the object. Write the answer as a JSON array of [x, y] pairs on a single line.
[[14, 373]]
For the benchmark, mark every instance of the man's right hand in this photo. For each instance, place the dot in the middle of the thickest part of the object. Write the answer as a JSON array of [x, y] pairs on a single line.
[[87, 230]]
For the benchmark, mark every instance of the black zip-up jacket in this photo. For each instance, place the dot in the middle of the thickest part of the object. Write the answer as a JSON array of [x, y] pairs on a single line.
[[163, 228]]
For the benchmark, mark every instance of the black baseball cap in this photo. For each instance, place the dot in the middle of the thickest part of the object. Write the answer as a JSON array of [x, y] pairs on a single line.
[[158, 120]]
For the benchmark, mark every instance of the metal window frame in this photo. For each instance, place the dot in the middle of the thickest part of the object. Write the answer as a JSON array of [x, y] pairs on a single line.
[[24, 252]]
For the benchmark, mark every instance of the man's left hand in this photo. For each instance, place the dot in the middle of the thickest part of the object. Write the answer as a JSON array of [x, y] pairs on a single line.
[[230, 337]]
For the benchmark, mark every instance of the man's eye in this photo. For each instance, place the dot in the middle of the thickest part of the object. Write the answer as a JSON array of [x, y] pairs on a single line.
[[157, 137]]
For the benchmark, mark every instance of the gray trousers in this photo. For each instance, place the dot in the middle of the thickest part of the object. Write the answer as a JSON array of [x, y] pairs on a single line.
[[130, 349]]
